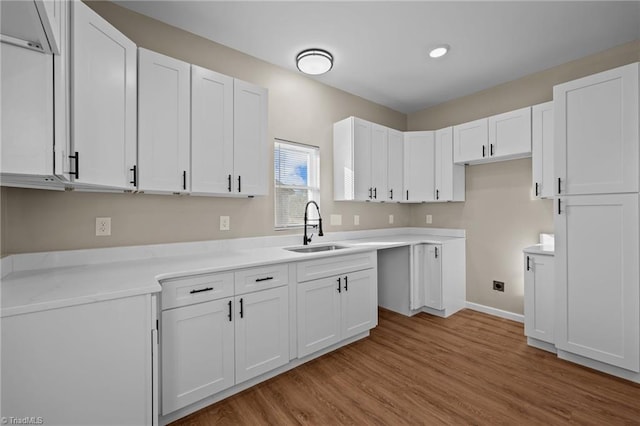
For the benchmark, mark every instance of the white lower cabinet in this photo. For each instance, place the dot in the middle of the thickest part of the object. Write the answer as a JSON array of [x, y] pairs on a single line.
[[211, 345], [335, 307], [539, 297], [82, 365]]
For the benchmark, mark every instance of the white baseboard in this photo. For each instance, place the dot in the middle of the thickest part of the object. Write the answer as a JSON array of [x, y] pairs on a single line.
[[495, 312]]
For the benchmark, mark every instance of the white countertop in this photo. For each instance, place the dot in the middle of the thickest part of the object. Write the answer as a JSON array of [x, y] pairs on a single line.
[[41, 289], [543, 249]]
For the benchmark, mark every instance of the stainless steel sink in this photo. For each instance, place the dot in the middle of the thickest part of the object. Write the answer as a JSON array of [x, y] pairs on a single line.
[[315, 249]]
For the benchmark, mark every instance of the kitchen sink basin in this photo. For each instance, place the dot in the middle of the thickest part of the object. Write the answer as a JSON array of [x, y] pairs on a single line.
[[315, 249]]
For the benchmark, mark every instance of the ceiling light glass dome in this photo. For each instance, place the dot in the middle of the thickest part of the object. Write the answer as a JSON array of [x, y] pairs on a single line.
[[314, 61]]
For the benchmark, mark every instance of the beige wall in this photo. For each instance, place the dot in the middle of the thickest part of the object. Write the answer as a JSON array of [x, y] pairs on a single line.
[[300, 109], [499, 215]]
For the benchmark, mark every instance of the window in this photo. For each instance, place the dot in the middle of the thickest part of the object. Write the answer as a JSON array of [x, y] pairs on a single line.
[[297, 181]]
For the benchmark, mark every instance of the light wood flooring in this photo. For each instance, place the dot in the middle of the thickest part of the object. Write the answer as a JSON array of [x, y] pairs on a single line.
[[471, 368]]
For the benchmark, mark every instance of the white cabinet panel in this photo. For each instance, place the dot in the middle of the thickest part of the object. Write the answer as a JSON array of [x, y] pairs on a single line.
[[539, 297], [318, 315], [250, 139], [470, 141], [163, 126], [379, 148], [433, 294], [596, 133], [197, 352], [395, 165], [103, 101], [359, 304], [449, 177], [542, 149], [419, 166], [597, 252], [362, 159], [510, 134], [211, 132]]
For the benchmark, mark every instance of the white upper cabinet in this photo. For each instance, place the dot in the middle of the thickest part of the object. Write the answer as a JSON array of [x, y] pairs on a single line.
[[470, 141], [419, 164], [596, 133], [395, 165], [542, 149], [352, 160], [163, 125], [510, 134], [211, 132], [449, 177], [103, 103], [379, 149], [35, 24], [500, 137], [52, 15], [250, 162]]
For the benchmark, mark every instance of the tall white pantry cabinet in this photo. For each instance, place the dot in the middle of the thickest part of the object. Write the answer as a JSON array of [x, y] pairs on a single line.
[[596, 218]]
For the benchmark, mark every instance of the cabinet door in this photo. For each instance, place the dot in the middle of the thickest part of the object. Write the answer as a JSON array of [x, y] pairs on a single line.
[[470, 141], [359, 304], [318, 315], [250, 139], [433, 276], [103, 101], [51, 12], [419, 163], [197, 352], [542, 149], [395, 165], [596, 133], [379, 148], [510, 134], [539, 297], [444, 164], [163, 127], [27, 111], [262, 332], [597, 277], [362, 152], [211, 132]]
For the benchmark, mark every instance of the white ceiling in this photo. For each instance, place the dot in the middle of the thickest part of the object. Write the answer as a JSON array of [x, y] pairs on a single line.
[[381, 48]]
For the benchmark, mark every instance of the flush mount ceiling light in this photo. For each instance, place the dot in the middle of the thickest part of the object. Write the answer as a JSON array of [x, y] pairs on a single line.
[[439, 51], [314, 61]]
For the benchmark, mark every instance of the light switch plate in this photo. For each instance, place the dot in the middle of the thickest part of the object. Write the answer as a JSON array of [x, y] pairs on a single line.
[[356, 219], [225, 223], [429, 219], [336, 219], [103, 226], [390, 219]]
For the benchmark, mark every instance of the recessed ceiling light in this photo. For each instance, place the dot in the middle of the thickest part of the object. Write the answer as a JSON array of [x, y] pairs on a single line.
[[440, 51], [314, 61]]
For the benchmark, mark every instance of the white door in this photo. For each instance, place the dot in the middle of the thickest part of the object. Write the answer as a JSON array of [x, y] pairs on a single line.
[[163, 125], [470, 141], [197, 352], [262, 332], [433, 276], [27, 111], [597, 277], [363, 189], [542, 149], [395, 165], [379, 148], [444, 164], [318, 314], [539, 297], [103, 101], [419, 163], [211, 132], [510, 133], [251, 156], [359, 304], [596, 133]]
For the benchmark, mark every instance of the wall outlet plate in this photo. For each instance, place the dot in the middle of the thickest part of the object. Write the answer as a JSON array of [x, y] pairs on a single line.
[[336, 219], [390, 219], [103, 226], [429, 219], [225, 223], [356, 219]]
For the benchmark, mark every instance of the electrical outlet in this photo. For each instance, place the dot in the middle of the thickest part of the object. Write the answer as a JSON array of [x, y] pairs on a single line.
[[103, 226], [336, 219], [225, 223], [498, 285], [356, 219], [429, 219], [390, 219]]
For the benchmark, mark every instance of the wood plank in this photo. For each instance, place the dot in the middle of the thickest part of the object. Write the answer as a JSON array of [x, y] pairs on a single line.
[[470, 368]]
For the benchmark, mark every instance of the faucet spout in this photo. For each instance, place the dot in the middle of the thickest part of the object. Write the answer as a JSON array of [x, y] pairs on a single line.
[[306, 240]]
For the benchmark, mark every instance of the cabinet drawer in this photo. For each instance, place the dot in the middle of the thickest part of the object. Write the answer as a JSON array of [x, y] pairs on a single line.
[[320, 268], [261, 278], [196, 289]]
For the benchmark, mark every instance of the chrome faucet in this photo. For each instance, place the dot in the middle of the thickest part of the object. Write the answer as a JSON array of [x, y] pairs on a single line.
[[306, 240]]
